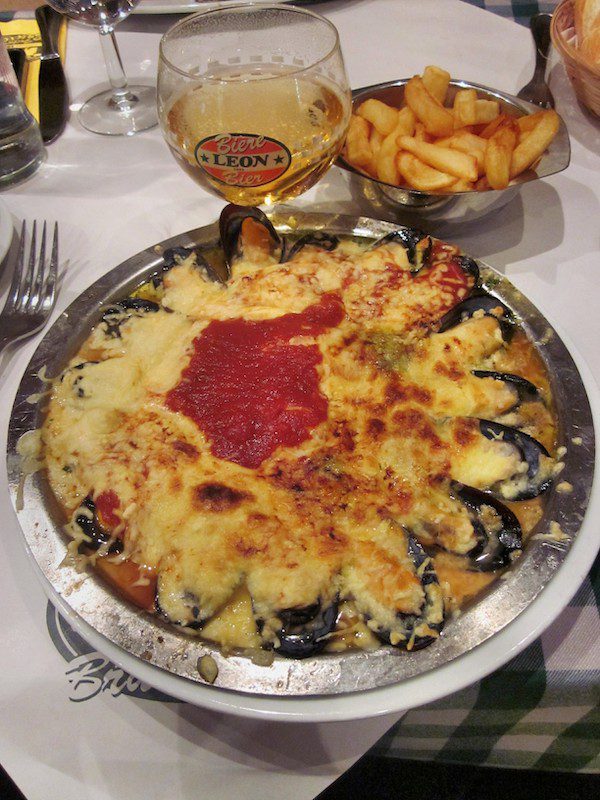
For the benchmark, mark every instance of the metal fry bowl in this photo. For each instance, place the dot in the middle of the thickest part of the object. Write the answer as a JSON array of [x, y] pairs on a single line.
[[452, 206]]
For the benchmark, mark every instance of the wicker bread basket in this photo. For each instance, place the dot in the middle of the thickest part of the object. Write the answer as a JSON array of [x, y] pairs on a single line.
[[584, 75]]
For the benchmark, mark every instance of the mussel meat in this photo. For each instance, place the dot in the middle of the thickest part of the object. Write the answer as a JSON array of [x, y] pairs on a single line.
[[483, 303], [524, 390], [398, 593], [416, 631], [496, 528], [417, 244], [244, 229], [538, 470]]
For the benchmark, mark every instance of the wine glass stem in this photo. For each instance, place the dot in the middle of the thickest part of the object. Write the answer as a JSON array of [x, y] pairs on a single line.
[[122, 99]]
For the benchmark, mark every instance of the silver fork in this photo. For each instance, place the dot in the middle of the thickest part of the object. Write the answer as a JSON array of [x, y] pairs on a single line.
[[32, 293], [537, 90]]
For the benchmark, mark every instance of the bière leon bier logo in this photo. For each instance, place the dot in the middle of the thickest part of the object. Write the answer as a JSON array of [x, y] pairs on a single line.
[[243, 159]]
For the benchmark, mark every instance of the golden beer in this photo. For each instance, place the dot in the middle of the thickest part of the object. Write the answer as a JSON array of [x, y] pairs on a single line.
[[260, 137]]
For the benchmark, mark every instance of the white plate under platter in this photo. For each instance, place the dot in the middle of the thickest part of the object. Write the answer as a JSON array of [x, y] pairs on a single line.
[[191, 6], [475, 644]]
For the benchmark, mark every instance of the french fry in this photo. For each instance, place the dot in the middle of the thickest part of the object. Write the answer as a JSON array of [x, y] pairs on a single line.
[[375, 140], [421, 133], [436, 82], [382, 116], [437, 120], [426, 145], [464, 107], [531, 148], [467, 143], [406, 122], [387, 169], [498, 157], [486, 111], [492, 126], [461, 186], [444, 159], [420, 176], [527, 122], [358, 147]]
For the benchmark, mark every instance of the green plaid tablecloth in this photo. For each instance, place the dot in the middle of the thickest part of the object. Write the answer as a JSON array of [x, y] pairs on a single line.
[[542, 710]]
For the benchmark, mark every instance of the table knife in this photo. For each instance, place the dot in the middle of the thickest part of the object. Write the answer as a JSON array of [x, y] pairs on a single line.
[[53, 95], [17, 59]]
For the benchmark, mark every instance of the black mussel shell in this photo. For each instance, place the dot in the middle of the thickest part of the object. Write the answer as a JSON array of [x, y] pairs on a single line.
[[77, 367], [479, 301], [115, 314], [432, 611], [320, 239], [175, 255], [525, 389], [191, 616], [494, 547], [470, 266], [138, 304], [129, 304], [410, 239], [86, 519], [530, 450], [304, 630], [230, 227]]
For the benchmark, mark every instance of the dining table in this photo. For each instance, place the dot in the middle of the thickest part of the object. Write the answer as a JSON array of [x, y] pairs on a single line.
[[73, 720]]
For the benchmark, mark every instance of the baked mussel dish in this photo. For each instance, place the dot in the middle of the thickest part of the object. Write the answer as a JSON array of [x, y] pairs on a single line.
[[289, 445]]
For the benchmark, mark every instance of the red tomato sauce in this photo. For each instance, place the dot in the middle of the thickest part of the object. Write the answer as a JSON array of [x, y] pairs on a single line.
[[452, 278], [106, 505], [249, 389]]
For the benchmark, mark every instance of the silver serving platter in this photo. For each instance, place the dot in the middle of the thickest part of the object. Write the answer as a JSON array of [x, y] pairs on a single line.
[[453, 206], [144, 636]]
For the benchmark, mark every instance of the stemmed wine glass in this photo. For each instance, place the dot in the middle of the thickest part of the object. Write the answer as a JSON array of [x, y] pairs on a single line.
[[253, 100], [123, 109]]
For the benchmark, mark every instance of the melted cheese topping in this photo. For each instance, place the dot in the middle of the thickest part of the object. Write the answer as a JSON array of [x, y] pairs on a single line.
[[324, 513]]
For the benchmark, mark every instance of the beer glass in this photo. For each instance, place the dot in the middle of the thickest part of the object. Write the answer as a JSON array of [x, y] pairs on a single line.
[[253, 100]]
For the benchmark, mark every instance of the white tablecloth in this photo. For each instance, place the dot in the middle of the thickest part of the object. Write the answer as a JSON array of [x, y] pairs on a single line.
[[113, 197]]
